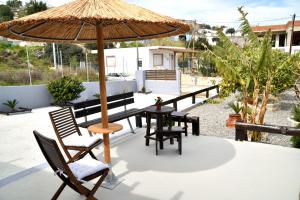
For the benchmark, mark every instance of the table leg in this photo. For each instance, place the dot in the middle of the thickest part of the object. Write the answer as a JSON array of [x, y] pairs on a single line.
[[159, 130], [148, 121]]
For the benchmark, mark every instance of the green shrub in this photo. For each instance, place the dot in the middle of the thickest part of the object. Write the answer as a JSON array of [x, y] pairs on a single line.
[[296, 141], [296, 113], [65, 89], [296, 116]]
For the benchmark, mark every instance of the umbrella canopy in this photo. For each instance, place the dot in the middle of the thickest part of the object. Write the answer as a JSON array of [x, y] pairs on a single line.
[[75, 23], [84, 21]]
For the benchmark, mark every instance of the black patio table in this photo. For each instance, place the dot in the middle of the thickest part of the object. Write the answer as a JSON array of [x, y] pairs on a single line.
[[165, 111]]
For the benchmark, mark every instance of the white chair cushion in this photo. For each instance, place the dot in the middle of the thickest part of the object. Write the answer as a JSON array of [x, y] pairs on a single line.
[[85, 167], [81, 141]]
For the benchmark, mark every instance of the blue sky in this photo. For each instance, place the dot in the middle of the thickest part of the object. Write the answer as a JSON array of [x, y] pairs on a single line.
[[216, 12]]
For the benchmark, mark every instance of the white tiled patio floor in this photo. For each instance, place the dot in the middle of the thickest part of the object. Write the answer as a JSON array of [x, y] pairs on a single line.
[[209, 169]]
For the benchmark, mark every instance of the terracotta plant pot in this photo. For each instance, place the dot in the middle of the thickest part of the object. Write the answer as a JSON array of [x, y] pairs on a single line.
[[250, 100], [230, 122], [158, 107]]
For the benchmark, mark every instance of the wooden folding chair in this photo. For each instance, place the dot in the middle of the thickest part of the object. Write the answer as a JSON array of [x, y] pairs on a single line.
[[69, 135], [75, 173]]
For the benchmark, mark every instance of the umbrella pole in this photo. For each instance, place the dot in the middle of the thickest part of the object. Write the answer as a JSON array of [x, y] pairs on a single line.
[[102, 81]]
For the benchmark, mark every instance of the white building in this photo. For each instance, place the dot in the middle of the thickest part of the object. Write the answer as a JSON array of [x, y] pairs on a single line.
[[282, 35], [124, 60]]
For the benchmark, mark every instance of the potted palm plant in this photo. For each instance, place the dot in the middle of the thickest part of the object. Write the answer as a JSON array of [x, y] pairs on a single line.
[[12, 104], [295, 118], [13, 109], [295, 122], [233, 117]]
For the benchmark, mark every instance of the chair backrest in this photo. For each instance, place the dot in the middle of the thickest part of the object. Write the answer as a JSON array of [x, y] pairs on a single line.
[[51, 152], [85, 108], [64, 123]]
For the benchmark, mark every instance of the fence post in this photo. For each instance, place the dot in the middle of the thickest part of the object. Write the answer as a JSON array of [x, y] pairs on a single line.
[[218, 89], [240, 133], [207, 93], [175, 105], [194, 99]]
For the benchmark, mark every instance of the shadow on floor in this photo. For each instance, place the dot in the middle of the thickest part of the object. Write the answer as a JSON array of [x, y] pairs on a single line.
[[198, 154]]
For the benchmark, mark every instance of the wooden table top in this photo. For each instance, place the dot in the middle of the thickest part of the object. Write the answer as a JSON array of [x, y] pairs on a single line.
[[163, 110], [112, 128]]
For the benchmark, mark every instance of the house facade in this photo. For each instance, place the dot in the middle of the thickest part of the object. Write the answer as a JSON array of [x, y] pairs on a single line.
[[282, 35], [124, 60]]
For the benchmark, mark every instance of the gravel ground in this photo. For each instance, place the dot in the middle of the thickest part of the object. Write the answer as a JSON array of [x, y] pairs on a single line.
[[213, 118]]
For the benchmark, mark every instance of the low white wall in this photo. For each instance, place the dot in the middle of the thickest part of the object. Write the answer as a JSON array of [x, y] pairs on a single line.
[[165, 87], [37, 96], [112, 88]]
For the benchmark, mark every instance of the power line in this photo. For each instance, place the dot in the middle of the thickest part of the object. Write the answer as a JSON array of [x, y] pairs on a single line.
[[238, 21]]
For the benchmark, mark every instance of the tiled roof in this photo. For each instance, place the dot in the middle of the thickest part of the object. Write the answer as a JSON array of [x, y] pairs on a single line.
[[279, 27]]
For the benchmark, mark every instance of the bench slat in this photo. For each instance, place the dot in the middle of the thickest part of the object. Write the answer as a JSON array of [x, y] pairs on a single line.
[[97, 109], [113, 117], [95, 102]]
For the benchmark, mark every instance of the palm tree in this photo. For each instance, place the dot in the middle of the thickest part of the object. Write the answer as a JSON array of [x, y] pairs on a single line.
[[252, 68]]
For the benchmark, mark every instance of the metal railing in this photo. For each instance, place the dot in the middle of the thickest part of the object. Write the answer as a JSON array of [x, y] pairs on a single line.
[[193, 95], [242, 128]]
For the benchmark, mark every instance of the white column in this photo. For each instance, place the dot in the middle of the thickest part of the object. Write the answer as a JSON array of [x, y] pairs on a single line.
[[277, 40], [54, 56], [289, 37]]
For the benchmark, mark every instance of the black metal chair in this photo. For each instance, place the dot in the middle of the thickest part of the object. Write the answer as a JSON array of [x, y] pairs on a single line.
[[75, 173]]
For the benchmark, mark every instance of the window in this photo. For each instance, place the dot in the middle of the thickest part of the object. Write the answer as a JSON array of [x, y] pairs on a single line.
[[158, 60], [273, 41], [110, 61], [281, 40]]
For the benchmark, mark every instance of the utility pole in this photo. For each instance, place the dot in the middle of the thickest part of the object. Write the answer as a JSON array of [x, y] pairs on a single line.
[[87, 67], [54, 56], [61, 64], [28, 63], [137, 55], [292, 34]]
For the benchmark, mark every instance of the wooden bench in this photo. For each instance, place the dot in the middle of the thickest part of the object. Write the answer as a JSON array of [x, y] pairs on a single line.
[[86, 108]]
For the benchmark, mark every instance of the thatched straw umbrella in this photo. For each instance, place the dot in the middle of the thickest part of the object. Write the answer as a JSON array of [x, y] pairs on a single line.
[[87, 21]]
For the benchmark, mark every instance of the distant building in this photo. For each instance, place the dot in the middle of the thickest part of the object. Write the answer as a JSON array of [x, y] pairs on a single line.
[[206, 31], [282, 35], [124, 60]]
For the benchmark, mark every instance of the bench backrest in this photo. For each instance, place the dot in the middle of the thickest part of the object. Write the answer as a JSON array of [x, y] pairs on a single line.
[[85, 108]]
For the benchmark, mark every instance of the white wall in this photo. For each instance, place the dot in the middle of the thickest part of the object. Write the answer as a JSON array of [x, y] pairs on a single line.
[[126, 60], [37, 96], [166, 56], [165, 87], [28, 96]]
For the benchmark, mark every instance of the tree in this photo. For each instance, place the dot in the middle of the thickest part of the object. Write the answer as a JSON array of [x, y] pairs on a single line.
[[6, 13], [230, 31], [14, 3], [251, 69], [202, 44], [93, 46], [205, 26], [34, 6]]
